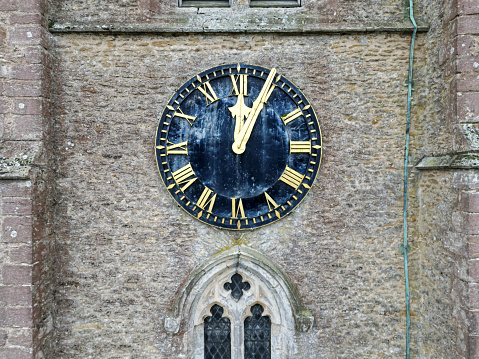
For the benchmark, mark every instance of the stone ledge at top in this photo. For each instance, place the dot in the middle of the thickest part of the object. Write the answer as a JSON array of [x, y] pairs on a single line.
[[336, 28], [462, 160]]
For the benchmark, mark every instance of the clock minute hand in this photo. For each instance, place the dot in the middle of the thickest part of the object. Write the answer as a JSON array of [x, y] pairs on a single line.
[[243, 136]]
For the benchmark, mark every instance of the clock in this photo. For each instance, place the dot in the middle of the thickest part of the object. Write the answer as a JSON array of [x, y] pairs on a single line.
[[238, 146]]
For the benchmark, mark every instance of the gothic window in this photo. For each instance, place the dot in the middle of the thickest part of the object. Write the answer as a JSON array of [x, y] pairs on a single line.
[[232, 303], [217, 335], [257, 335]]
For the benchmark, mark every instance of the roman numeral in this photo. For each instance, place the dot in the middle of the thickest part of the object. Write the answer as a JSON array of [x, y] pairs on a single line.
[[237, 208], [184, 175], [207, 198], [243, 84], [291, 116], [177, 149], [207, 90], [190, 119], [271, 204], [291, 177], [300, 146]]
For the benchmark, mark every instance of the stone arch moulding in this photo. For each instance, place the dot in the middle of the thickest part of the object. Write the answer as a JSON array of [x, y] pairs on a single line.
[[269, 287]]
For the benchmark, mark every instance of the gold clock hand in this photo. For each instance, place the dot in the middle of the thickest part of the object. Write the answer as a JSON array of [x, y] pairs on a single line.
[[244, 134], [239, 111]]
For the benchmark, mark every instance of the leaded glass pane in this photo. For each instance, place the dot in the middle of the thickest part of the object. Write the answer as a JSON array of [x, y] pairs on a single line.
[[257, 335], [217, 335]]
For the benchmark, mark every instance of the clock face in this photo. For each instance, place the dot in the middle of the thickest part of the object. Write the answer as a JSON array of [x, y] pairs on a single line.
[[238, 146]]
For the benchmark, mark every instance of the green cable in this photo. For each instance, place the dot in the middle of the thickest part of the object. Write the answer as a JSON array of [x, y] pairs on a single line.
[[405, 245]]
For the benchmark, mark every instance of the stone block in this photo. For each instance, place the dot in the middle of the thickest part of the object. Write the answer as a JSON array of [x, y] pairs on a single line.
[[468, 24], [20, 337], [468, 107], [15, 296], [26, 72], [473, 322], [17, 275], [15, 353], [473, 246], [16, 206], [470, 202], [17, 229], [468, 64], [24, 88], [28, 127], [22, 254], [474, 296], [8, 5], [467, 82], [19, 18], [472, 223], [28, 35], [474, 270], [467, 7], [18, 317], [32, 6], [464, 43], [34, 55], [16, 189], [28, 106]]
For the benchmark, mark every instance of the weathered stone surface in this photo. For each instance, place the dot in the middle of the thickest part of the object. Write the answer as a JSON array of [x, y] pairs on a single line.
[[124, 249], [166, 13], [115, 220]]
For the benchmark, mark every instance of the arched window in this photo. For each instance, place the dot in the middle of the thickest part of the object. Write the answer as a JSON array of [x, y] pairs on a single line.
[[257, 335], [244, 291], [217, 335]]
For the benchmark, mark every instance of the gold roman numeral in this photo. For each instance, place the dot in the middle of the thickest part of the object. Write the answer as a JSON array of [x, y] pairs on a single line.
[[184, 175], [207, 90], [177, 149], [271, 204], [190, 119], [243, 84], [237, 208], [300, 146], [291, 177], [207, 198], [293, 115]]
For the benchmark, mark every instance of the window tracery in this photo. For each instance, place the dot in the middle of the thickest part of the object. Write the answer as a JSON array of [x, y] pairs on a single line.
[[258, 284]]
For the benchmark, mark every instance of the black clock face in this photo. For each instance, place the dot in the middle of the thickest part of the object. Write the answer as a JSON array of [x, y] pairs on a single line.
[[238, 146]]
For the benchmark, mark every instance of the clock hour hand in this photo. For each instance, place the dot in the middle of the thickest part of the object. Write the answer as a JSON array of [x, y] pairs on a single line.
[[244, 134], [239, 111]]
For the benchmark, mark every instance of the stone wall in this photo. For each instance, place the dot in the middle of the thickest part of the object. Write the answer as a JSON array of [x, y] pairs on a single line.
[[26, 285], [126, 247], [93, 247]]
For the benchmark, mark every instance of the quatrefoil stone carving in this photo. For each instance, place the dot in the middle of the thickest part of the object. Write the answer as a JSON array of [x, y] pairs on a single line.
[[237, 286]]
